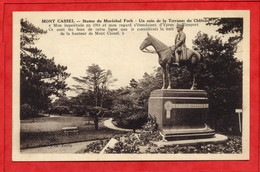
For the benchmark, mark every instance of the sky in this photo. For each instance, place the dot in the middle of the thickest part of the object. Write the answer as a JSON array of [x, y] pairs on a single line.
[[118, 53]]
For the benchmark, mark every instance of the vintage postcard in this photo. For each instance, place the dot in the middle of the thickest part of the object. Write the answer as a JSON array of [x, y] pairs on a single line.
[[131, 85]]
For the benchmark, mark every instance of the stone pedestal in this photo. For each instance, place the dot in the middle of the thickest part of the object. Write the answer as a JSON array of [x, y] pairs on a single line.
[[181, 113]]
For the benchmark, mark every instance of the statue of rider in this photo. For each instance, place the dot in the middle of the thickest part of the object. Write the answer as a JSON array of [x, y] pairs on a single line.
[[180, 46]]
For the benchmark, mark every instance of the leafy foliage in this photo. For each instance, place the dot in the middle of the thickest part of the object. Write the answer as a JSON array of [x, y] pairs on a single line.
[[130, 106], [229, 25], [133, 121], [223, 77], [26, 111], [95, 86], [127, 111], [96, 147], [40, 77], [181, 78], [130, 142], [133, 83], [29, 33], [143, 143]]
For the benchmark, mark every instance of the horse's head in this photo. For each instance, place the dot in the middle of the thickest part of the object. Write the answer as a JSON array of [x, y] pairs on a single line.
[[147, 42]]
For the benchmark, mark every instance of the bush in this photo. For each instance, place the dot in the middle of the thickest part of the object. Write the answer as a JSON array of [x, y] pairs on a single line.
[[228, 124], [60, 110], [135, 121], [79, 110], [26, 111]]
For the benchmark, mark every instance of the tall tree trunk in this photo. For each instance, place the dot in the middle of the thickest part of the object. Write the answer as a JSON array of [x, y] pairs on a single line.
[[96, 122]]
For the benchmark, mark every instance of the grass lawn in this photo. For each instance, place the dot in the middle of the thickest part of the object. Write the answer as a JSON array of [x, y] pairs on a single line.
[[46, 131]]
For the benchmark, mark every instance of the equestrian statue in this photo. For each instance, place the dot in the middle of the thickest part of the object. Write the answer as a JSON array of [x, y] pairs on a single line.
[[176, 55]]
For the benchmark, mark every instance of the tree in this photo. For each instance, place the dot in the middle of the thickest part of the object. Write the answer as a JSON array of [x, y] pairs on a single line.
[[60, 106], [128, 111], [96, 82], [130, 104], [232, 89], [40, 77], [229, 25], [222, 78], [133, 83]]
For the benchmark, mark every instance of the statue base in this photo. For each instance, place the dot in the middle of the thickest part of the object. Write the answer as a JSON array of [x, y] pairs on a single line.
[[217, 138], [181, 113]]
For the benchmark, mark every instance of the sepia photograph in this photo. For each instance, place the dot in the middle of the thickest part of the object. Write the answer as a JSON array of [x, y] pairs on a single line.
[[131, 85]]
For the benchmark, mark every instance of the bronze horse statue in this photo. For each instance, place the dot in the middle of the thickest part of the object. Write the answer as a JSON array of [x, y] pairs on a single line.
[[166, 59]]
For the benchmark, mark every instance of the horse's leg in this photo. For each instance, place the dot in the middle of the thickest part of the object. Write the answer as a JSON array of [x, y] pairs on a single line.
[[193, 87], [194, 82], [163, 72], [168, 75], [193, 70]]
